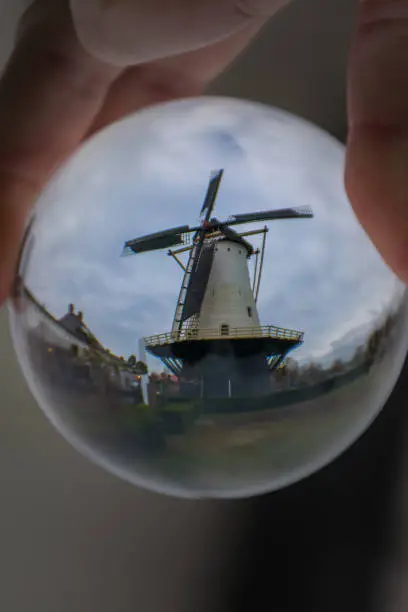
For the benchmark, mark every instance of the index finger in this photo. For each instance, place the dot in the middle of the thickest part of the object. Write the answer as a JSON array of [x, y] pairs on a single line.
[[49, 95]]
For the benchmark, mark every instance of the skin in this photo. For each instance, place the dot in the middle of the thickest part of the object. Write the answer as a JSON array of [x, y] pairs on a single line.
[[56, 92]]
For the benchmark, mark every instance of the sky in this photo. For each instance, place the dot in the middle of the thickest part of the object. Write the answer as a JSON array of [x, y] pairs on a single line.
[[151, 171]]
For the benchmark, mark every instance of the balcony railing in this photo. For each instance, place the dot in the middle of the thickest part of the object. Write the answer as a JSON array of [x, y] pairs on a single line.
[[191, 334]]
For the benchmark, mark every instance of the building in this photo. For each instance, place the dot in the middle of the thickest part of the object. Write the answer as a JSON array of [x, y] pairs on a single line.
[[69, 346]]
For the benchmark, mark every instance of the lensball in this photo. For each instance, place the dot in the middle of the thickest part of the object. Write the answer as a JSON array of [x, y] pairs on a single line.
[[196, 307]]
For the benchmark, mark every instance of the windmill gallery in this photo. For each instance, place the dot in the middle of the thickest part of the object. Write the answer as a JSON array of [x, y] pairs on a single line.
[[217, 345]]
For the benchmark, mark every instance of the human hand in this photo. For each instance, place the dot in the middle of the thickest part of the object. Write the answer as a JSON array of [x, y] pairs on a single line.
[[55, 94]]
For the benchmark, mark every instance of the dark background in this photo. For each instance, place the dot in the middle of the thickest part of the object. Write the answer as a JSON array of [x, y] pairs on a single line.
[[75, 538], [336, 541]]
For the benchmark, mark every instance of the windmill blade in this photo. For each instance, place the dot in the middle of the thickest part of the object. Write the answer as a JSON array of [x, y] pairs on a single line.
[[302, 212], [210, 196], [195, 279], [156, 241]]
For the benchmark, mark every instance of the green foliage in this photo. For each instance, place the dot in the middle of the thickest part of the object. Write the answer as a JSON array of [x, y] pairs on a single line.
[[142, 368], [132, 360], [137, 417], [186, 406]]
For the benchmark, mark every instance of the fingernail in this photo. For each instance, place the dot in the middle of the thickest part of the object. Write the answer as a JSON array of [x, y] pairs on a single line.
[[129, 32]]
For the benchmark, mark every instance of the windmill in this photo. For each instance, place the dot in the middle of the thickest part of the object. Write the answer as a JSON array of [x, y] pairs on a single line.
[[217, 339]]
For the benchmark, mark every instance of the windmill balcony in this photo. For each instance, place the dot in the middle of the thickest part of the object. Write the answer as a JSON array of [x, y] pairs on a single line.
[[191, 334]]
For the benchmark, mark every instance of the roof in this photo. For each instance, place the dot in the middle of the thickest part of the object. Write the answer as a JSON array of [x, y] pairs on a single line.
[[72, 323]]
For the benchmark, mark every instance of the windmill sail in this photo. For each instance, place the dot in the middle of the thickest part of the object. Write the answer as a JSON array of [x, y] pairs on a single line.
[[198, 242], [198, 282], [302, 212], [158, 240], [209, 200]]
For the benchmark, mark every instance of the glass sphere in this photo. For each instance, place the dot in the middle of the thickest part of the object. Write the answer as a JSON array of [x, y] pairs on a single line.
[[196, 307]]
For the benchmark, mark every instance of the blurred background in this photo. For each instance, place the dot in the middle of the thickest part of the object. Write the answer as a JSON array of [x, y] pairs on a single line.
[[75, 538]]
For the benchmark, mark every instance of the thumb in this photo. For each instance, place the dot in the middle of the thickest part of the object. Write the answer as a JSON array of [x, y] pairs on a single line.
[[128, 32], [377, 158]]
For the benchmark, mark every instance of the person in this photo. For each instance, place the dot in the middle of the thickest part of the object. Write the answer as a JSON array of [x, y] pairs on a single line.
[[78, 66]]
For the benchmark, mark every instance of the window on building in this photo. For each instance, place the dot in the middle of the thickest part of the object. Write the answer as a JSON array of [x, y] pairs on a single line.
[[249, 311], [224, 329]]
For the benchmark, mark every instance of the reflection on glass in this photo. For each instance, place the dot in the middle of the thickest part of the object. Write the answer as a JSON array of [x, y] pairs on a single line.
[[248, 334]]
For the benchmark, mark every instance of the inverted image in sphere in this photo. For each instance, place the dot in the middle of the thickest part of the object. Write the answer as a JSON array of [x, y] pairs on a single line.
[[196, 307]]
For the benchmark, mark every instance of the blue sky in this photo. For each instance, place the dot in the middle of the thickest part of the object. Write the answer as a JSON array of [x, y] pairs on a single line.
[[150, 172]]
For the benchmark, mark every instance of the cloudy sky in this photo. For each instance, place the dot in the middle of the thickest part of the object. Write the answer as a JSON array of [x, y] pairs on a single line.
[[150, 172]]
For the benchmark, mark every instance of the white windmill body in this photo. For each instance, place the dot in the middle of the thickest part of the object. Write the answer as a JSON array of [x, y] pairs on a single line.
[[228, 304]]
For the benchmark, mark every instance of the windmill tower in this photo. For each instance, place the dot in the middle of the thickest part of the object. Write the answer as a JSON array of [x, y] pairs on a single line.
[[217, 339]]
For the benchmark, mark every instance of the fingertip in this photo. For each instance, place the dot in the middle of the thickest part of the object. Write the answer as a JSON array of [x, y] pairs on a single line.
[[130, 32]]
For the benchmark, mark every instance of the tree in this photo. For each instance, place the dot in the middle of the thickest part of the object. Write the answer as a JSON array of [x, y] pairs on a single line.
[[373, 345], [359, 355], [282, 369], [337, 367], [142, 368], [132, 360]]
